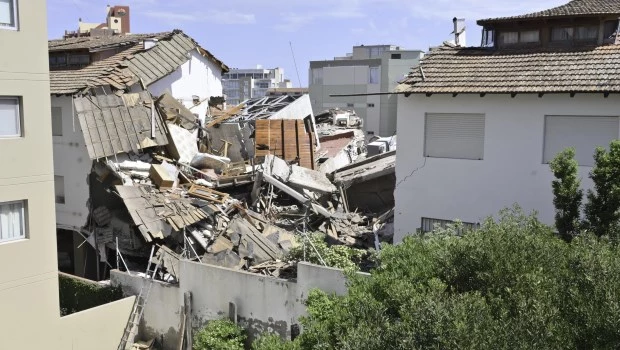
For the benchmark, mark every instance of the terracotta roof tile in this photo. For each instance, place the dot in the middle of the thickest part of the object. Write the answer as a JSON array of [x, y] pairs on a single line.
[[478, 70], [572, 8], [127, 67]]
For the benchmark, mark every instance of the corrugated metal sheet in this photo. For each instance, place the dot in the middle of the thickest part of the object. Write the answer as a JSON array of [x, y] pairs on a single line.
[[111, 126]]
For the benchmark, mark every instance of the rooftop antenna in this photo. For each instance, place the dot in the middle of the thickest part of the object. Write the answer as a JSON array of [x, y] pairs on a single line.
[[295, 62]]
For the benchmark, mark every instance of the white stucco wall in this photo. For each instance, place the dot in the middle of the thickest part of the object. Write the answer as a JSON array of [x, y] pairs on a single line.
[[511, 172], [71, 161], [198, 76], [263, 303]]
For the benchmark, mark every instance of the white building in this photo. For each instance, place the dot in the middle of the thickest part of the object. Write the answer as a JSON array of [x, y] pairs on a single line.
[[244, 84], [166, 62], [359, 77], [481, 124]]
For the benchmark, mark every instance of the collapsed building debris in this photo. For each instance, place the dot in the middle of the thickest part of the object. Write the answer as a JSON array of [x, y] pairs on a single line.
[[239, 190]]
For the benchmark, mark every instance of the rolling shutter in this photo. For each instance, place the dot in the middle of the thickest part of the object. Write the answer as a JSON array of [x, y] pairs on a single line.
[[584, 133], [459, 136]]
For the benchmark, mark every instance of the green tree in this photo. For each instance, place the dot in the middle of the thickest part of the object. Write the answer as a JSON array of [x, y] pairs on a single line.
[[220, 335], [270, 341], [603, 207], [512, 284], [567, 195]]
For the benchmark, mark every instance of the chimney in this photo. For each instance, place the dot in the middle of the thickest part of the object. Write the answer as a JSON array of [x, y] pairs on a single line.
[[459, 32]]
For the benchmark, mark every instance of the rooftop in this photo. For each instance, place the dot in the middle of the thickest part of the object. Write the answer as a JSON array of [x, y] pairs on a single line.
[[480, 70], [128, 66], [573, 8]]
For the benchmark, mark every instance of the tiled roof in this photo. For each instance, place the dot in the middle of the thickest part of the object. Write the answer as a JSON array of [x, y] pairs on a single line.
[[573, 8], [109, 71], [477, 70], [129, 66], [94, 43]]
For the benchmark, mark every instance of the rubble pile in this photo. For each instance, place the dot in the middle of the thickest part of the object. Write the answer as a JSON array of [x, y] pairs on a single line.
[[192, 201]]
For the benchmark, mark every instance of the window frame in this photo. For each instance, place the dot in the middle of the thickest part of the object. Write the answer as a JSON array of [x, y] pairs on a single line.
[[425, 150], [377, 75], [15, 26], [19, 118], [59, 199], [24, 221], [546, 160]]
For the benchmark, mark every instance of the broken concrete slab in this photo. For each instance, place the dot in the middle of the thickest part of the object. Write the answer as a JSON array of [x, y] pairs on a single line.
[[310, 179]]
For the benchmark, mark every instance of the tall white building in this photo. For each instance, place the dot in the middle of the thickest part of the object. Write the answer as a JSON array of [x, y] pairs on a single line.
[[242, 84], [362, 74]]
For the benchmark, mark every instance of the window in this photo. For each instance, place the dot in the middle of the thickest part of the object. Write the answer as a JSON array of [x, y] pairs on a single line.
[[586, 33], [12, 221], [561, 34], [317, 75], [8, 14], [395, 56], [376, 52], [508, 37], [79, 60], [458, 136], [373, 75], [529, 36], [584, 133], [609, 29], [526, 36], [350, 105], [370, 105], [59, 189], [10, 117], [56, 121], [428, 225]]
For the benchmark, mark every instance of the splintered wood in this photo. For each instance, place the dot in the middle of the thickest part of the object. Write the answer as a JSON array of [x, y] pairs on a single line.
[[287, 139], [207, 194]]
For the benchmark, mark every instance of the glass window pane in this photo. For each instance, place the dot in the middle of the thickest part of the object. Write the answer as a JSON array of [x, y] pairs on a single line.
[[530, 36], [12, 221], [509, 37], [373, 77], [9, 117], [561, 34], [586, 32], [7, 13]]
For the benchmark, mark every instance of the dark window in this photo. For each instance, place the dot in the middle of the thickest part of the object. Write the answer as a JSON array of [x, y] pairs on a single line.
[[395, 56], [349, 104], [609, 29], [586, 33], [371, 105]]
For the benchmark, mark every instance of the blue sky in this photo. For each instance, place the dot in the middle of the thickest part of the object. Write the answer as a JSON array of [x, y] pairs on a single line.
[[244, 33]]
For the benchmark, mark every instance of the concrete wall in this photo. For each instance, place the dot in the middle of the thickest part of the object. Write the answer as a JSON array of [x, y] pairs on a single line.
[[263, 303], [198, 76], [71, 161], [29, 304], [511, 172]]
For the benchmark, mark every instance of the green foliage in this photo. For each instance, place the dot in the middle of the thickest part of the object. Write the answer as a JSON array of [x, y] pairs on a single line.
[[220, 335], [603, 206], [510, 285], [273, 342], [567, 195], [78, 295], [338, 256]]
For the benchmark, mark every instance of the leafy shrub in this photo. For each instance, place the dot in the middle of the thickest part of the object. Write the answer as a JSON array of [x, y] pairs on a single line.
[[338, 256], [77, 294], [220, 335], [510, 285], [273, 342]]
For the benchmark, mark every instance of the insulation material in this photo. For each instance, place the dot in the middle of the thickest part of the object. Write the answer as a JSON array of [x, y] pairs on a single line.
[[183, 144]]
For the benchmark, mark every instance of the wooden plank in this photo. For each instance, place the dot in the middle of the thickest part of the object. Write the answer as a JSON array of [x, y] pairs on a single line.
[[230, 113]]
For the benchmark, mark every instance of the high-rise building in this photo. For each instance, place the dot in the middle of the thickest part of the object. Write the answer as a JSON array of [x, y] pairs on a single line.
[[242, 84], [29, 295], [362, 75]]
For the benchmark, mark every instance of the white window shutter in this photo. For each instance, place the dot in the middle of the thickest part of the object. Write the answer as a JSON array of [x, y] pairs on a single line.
[[584, 133], [459, 136]]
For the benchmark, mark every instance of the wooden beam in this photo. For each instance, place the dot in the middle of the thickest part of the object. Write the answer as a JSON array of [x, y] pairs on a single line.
[[229, 114]]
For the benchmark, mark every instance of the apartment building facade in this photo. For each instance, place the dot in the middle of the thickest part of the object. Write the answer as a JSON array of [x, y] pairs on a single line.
[[29, 299], [242, 84], [362, 75]]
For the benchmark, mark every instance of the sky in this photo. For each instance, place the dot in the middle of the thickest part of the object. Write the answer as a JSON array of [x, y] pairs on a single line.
[[247, 33]]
